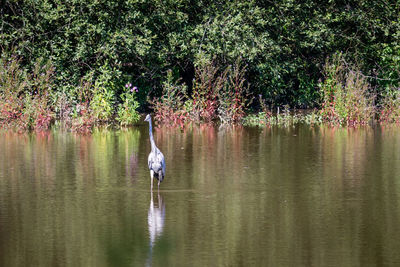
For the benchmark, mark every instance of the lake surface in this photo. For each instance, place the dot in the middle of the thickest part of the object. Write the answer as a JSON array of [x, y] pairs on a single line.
[[231, 197]]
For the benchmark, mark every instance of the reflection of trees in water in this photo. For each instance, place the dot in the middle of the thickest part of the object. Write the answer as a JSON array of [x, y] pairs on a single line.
[[132, 168], [260, 196], [347, 152], [302, 194], [49, 195]]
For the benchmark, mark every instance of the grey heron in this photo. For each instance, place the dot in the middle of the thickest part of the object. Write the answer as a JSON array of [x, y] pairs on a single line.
[[156, 159]]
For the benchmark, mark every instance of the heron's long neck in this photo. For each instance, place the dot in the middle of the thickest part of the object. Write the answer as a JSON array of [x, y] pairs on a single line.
[[153, 144]]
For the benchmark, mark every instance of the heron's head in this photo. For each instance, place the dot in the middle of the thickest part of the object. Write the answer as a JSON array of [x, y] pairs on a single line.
[[148, 118]]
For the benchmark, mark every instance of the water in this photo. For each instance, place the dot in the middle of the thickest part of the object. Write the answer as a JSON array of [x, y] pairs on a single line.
[[231, 197]]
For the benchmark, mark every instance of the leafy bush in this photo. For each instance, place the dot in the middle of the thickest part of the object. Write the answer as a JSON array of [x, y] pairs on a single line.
[[233, 98], [170, 108], [104, 94], [390, 110], [127, 110], [13, 82], [37, 114], [207, 84], [25, 98], [63, 106], [11, 110], [102, 104], [81, 118], [346, 94], [216, 93]]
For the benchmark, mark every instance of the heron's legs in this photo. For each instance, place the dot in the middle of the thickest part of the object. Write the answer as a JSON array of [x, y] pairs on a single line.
[[151, 177], [159, 178]]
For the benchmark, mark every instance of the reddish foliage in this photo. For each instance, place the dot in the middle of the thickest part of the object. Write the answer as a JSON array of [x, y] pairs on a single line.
[[85, 121], [166, 115]]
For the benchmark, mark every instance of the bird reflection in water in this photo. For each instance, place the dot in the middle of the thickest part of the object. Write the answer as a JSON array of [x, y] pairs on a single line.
[[155, 219]]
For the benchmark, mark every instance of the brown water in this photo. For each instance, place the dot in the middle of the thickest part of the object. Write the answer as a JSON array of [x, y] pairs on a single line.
[[231, 197]]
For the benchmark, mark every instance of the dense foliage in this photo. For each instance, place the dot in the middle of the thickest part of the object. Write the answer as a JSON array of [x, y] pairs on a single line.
[[347, 96], [284, 45]]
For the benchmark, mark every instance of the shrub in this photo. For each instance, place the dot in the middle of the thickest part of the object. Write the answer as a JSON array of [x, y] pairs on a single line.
[[81, 118], [63, 106], [206, 86], [171, 107], [390, 110], [13, 82], [11, 109], [216, 93], [102, 104], [37, 114], [127, 110], [104, 90], [25, 98], [346, 94], [233, 97]]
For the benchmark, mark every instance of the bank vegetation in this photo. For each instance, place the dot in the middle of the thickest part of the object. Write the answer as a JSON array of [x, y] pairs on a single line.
[[79, 65]]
